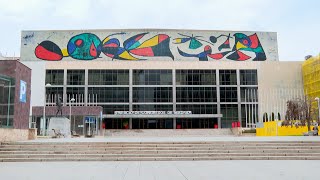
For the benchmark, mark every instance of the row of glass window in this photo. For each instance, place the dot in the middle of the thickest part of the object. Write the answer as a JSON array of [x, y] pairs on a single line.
[[151, 77], [156, 94]]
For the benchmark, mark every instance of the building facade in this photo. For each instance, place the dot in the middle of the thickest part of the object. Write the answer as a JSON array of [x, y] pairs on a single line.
[[162, 79], [15, 91]]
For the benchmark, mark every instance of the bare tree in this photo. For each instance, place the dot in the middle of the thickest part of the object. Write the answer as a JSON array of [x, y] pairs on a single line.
[[300, 109]]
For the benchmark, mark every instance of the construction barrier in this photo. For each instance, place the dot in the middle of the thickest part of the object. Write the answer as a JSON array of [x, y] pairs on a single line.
[[274, 128]]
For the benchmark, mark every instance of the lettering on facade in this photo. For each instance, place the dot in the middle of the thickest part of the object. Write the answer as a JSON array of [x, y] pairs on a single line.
[[152, 112]]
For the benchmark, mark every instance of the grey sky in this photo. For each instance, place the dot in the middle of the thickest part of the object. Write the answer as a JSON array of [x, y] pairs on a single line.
[[296, 21]]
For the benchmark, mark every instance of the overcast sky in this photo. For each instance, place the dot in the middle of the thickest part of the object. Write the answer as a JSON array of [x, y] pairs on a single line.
[[297, 22]]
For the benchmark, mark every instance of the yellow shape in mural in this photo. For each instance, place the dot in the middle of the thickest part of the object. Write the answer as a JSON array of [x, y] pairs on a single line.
[[126, 55], [150, 42]]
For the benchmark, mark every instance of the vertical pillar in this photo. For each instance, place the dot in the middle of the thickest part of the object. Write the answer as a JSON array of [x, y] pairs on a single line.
[[239, 97], [64, 96], [218, 97], [174, 96], [130, 95], [86, 78]]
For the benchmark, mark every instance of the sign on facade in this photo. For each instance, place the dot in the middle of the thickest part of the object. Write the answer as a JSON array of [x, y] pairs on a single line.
[[151, 112], [23, 91]]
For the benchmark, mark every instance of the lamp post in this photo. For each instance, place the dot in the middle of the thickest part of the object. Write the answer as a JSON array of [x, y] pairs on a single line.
[[318, 100], [70, 101], [44, 109]]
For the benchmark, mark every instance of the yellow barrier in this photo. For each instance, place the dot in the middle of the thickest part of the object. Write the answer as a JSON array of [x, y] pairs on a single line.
[[274, 128]]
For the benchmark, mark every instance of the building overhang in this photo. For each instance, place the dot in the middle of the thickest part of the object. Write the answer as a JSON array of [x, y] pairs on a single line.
[[113, 116]]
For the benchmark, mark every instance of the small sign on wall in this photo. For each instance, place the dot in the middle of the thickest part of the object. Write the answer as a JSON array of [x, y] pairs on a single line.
[[23, 91]]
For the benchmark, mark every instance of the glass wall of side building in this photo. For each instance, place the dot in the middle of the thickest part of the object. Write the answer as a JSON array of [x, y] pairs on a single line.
[[232, 93], [7, 94]]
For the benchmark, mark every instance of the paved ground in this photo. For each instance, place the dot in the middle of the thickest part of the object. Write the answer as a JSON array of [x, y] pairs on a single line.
[[181, 170], [180, 139]]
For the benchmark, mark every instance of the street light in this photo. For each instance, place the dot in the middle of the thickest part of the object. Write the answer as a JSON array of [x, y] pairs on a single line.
[[318, 99], [44, 109], [70, 101]]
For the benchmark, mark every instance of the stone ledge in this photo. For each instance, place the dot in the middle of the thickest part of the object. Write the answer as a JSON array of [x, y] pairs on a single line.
[[8, 135]]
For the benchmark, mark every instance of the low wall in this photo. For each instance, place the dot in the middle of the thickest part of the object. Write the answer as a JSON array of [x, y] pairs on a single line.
[[274, 128], [7, 134]]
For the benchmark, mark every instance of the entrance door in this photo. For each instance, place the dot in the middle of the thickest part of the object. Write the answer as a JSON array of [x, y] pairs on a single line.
[[90, 126]]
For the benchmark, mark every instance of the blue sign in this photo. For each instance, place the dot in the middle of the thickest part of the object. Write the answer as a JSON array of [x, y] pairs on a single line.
[[23, 91], [90, 119]]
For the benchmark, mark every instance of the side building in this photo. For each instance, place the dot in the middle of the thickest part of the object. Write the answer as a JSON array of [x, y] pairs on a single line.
[[161, 79]]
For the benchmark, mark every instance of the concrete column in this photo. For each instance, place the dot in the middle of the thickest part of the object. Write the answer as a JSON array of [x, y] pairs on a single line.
[[86, 78], [239, 97], [65, 76], [174, 96], [218, 97], [130, 95]]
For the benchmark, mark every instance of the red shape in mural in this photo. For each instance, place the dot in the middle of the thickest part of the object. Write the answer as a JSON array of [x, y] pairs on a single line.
[[48, 50]]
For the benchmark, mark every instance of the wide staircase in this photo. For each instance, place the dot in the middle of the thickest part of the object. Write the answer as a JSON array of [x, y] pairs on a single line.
[[158, 151]]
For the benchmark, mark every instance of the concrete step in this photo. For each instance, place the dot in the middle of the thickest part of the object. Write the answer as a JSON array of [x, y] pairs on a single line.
[[58, 148], [121, 151], [164, 158], [154, 145], [147, 151], [154, 155]]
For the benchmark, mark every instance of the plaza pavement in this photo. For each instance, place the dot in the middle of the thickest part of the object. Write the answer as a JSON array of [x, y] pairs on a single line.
[[163, 170]]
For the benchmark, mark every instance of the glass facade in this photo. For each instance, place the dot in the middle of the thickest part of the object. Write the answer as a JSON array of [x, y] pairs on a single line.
[[198, 108], [75, 77], [195, 77], [55, 77], [108, 77], [196, 94], [152, 77], [228, 77], [248, 77], [109, 94], [152, 94], [7, 94], [192, 90]]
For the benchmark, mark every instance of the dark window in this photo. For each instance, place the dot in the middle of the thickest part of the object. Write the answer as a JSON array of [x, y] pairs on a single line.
[[108, 77], [228, 94], [77, 93], [230, 114], [248, 77], [195, 77], [152, 77], [197, 123], [109, 109], [75, 77], [198, 108], [249, 113], [54, 77], [228, 77], [108, 94], [152, 123], [249, 94], [52, 93], [152, 94], [152, 107], [196, 94]]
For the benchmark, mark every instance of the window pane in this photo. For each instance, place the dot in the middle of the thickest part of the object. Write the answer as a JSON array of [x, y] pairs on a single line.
[[75, 77], [195, 77]]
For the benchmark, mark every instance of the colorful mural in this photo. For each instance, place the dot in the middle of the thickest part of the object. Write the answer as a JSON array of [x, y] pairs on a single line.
[[132, 45]]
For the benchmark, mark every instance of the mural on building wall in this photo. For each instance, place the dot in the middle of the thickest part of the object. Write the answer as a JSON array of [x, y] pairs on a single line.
[[87, 46], [243, 42], [236, 46]]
